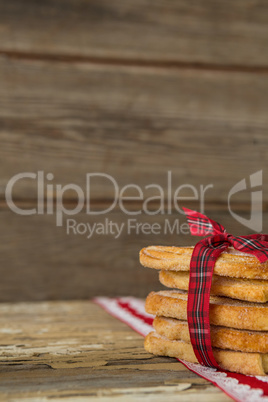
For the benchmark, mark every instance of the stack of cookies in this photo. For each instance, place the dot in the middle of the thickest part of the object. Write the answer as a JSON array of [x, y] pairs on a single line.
[[238, 309]]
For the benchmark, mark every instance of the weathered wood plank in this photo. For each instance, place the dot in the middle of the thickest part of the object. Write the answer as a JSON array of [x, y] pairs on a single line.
[[134, 124], [75, 350], [39, 261], [209, 32]]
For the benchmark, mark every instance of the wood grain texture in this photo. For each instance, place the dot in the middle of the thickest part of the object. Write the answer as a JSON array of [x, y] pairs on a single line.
[[132, 89], [39, 261], [132, 123], [76, 351], [212, 32]]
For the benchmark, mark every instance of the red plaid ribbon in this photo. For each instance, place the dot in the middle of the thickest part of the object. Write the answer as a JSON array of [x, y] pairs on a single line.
[[202, 264]]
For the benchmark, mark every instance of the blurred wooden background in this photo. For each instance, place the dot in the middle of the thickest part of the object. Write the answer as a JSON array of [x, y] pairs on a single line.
[[132, 89]]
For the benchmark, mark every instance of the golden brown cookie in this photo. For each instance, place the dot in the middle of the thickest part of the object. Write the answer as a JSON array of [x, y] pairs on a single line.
[[252, 290], [239, 362], [222, 311], [228, 264], [221, 337]]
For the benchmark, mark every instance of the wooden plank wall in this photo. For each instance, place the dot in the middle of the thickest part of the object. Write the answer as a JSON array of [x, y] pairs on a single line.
[[132, 89]]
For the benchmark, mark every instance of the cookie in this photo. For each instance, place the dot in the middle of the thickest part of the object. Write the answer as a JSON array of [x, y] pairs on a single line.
[[238, 362], [221, 337], [251, 290], [222, 310], [231, 263]]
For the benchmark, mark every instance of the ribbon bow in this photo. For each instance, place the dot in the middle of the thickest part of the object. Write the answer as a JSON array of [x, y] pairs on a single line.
[[202, 263]]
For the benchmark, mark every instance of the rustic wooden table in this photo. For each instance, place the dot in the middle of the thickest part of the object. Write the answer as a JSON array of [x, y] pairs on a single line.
[[74, 350]]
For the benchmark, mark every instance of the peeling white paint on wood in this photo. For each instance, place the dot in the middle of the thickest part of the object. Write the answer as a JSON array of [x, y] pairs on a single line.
[[75, 351]]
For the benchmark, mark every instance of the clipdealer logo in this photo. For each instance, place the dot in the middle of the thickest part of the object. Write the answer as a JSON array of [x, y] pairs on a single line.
[[256, 220], [47, 192], [50, 201]]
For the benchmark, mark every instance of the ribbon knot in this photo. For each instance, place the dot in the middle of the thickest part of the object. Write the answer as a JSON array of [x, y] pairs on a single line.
[[203, 259]]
